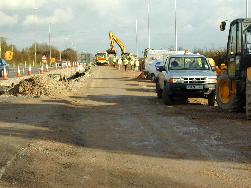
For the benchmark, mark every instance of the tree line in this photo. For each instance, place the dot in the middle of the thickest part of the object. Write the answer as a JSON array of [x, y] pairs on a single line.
[[219, 55]]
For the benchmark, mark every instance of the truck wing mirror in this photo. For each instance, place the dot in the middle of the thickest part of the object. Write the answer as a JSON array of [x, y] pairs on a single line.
[[160, 68], [214, 68], [223, 26]]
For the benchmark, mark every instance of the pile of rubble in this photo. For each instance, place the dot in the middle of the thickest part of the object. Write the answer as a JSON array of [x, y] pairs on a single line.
[[37, 86]]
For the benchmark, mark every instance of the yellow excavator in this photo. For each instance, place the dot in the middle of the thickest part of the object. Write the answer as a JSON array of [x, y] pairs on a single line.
[[233, 89], [112, 50], [218, 69]]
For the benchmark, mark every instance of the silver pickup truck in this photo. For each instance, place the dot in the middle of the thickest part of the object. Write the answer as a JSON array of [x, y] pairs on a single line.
[[186, 76]]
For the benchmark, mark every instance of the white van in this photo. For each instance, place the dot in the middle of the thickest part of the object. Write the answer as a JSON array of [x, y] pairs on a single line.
[[154, 59]]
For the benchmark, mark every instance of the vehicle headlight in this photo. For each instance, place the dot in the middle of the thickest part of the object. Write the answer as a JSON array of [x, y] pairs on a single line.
[[211, 80], [176, 80]]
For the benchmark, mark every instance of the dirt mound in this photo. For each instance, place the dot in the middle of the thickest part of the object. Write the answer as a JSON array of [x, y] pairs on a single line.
[[37, 86]]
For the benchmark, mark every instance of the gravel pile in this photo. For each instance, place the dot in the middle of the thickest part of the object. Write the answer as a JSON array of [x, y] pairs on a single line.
[[37, 86]]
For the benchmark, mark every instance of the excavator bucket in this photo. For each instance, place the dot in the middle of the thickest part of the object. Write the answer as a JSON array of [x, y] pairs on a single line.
[[111, 51]]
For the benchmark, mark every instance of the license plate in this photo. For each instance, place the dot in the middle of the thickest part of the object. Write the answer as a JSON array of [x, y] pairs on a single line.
[[194, 87]]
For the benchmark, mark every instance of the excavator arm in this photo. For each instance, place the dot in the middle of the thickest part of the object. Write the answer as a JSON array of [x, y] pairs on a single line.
[[112, 50]]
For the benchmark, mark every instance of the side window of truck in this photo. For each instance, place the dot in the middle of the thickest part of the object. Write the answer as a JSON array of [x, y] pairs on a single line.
[[166, 63]]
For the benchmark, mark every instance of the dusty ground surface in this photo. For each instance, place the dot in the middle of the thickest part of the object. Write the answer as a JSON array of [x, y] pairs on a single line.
[[112, 131]]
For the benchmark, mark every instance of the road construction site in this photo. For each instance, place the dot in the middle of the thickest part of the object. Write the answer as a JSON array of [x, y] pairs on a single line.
[[106, 128]]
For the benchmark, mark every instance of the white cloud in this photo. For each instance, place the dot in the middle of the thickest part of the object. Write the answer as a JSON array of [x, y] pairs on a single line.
[[59, 16], [187, 28], [223, 13], [103, 7], [22, 4], [196, 19], [7, 20]]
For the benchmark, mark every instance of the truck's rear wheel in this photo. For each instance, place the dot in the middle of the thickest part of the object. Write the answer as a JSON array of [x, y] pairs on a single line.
[[153, 78], [227, 100], [248, 99], [211, 99]]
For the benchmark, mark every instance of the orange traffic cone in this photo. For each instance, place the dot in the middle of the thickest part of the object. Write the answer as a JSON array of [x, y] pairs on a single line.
[[69, 65], [47, 68], [42, 69], [18, 71], [29, 71], [56, 66], [78, 69], [5, 74]]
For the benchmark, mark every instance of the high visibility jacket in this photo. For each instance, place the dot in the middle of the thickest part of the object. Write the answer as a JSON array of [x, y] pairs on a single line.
[[120, 61], [199, 62], [114, 60], [137, 63], [125, 62]]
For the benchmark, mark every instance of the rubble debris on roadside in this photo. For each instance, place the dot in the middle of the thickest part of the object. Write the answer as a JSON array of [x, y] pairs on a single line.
[[37, 86]]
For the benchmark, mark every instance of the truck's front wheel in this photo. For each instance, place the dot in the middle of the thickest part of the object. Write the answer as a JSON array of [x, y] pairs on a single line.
[[227, 100], [248, 98], [158, 90], [167, 98]]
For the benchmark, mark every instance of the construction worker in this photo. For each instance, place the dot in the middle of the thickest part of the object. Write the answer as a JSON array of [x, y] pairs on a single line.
[[133, 65], [114, 60], [120, 63], [125, 61], [130, 61], [136, 64], [199, 62]]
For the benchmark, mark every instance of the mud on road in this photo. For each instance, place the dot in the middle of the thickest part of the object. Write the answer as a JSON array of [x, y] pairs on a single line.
[[112, 131]]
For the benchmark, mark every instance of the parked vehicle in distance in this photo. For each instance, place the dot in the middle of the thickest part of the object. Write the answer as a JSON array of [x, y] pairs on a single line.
[[2, 65], [155, 58], [101, 58], [59, 63], [186, 76], [85, 58]]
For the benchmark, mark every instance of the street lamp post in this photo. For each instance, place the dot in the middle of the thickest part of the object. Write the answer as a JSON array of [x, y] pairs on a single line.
[[176, 31], [246, 8], [149, 34], [35, 33], [50, 41], [0, 46], [137, 50]]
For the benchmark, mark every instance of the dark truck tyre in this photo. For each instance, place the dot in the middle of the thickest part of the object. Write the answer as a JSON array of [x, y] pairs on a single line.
[[248, 99], [158, 90], [153, 78], [167, 98], [211, 99], [225, 99]]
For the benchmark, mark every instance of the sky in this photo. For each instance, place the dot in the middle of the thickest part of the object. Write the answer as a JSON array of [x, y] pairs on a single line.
[[84, 25]]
